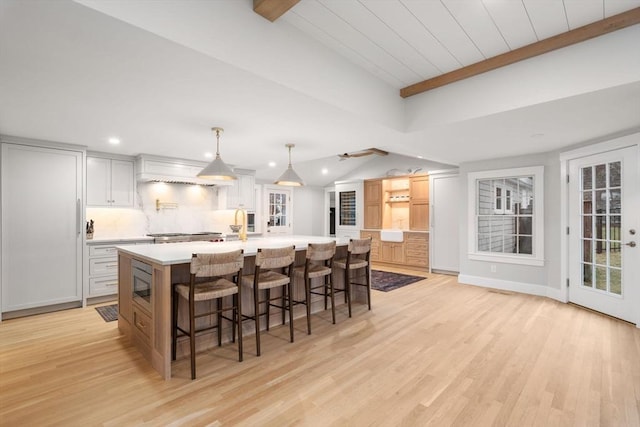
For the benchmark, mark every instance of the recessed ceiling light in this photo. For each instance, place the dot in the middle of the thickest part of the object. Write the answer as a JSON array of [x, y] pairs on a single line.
[[208, 155], [420, 157], [114, 141], [325, 171], [272, 164]]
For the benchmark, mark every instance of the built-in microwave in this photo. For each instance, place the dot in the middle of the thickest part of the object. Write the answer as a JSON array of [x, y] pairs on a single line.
[[141, 274]]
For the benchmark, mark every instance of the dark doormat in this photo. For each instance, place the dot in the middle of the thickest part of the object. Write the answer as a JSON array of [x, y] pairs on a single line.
[[385, 281], [108, 312]]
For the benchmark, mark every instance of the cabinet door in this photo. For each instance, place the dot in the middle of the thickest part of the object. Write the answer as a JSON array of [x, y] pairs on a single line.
[[41, 226], [373, 204], [122, 183], [419, 188], [98, 181], [247, 192], [419, 216], [419, 204], [392, 252]]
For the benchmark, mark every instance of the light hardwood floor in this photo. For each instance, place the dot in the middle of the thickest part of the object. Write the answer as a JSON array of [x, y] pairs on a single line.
[[432, 353]]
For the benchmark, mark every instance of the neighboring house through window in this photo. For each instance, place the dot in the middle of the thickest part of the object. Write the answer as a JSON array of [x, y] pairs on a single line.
[[506, 210]]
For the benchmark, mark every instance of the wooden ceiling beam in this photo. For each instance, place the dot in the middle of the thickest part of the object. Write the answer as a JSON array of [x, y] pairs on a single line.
[[272, 9], [578, 35]]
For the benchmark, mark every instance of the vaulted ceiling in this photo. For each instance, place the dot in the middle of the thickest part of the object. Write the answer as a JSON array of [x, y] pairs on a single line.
[[325, 76]]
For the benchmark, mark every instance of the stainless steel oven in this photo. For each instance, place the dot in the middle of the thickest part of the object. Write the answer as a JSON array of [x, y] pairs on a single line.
[[142, 283]]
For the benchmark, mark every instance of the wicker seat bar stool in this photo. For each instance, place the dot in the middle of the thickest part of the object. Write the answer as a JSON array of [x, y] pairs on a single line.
[[358, 253], [273, 269], [318, 264], [213, 277]]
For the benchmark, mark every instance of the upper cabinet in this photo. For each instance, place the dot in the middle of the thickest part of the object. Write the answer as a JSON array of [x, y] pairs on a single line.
[[373, 204], [110, 182], [398, 202], [241, 194]]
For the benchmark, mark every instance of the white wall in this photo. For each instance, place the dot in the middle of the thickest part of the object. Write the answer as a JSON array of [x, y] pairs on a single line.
[[544, 280], [309, 211]]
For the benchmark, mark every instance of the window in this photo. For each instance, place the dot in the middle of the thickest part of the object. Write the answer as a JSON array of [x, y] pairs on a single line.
[[505, 214]]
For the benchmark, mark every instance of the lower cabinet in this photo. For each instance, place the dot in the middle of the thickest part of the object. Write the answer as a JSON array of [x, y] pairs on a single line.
[[392, 252], [413, 251], [102, 267], [416, 249]]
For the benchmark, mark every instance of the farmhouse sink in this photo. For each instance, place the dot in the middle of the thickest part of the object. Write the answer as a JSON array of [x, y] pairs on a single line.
[[391, 235]]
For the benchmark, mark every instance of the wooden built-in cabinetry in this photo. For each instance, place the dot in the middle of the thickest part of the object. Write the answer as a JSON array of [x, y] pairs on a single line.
[[413, 251], [373, 204], [398, 202]]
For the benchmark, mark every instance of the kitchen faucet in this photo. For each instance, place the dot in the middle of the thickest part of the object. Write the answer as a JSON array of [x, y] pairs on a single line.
[[242, 233]]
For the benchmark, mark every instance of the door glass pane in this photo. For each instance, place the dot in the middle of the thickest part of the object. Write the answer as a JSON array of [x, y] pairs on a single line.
[[587, 226], [601, 176], [587, 275], [615, 255], [615, 281], [614, 174], [601, 278], [587, 255], [601, 201], [587, 178], [587, 205]]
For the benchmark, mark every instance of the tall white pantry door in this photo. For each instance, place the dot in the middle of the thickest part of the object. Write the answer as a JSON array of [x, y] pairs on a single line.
[[42, 229], [604, 255]]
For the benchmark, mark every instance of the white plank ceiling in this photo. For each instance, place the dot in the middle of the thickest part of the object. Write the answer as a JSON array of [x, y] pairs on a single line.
[[407, 41]]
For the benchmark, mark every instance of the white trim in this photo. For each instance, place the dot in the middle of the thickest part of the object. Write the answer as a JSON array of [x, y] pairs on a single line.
[[537, 258], [601, 147], [509, 285]]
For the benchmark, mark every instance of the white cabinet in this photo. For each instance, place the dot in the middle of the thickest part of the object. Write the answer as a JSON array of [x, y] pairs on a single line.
[[241, 193], [42, 227], [102, 268], [349, 204], [110, 182]]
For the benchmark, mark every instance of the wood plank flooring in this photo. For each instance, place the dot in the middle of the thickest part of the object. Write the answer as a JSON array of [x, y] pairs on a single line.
[[432, 353]]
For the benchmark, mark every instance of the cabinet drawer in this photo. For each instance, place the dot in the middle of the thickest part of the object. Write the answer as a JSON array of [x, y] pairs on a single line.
[[421, 247], [141, 321], [103, 266], [420, 254], [417, 261], [102, 250], [104, 285]]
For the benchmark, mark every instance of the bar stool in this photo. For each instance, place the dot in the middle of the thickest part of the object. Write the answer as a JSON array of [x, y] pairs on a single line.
[[273, 269], [210, 274], [319, 263], [357, 258]]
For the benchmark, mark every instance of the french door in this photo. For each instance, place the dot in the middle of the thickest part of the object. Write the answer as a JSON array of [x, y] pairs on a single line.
[[604, 257], [278, 210]]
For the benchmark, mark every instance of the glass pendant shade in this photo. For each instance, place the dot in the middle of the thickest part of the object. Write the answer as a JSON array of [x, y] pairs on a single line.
[[217, 169], [289, 177]]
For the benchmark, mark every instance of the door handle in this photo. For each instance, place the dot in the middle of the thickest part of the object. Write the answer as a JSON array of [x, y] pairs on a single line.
[[631, 243]]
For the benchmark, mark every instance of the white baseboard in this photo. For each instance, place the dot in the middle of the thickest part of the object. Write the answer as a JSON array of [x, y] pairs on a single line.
[[508, 285]]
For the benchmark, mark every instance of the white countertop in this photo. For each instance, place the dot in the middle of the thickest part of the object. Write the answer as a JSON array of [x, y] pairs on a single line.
[[180, 253]]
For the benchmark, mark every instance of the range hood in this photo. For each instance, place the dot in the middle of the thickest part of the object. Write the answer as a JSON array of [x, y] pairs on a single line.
[[151, 168]]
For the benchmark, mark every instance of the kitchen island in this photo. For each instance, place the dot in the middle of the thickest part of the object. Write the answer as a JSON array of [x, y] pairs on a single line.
[[146, 274]]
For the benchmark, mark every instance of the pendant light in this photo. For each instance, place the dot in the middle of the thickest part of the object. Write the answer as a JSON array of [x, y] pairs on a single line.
[[217, 170], [289, 177]]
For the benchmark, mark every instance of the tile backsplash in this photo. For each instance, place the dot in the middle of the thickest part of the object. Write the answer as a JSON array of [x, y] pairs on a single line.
[[182, 209]]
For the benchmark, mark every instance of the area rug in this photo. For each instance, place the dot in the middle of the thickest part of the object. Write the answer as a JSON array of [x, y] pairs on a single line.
[[108, 312], [385, 281]]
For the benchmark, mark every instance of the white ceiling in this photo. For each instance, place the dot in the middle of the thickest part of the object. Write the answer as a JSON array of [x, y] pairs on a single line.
[[407, 41], [159, 75]]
